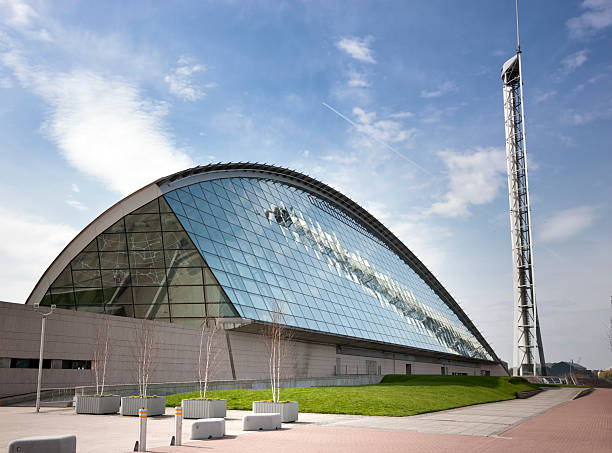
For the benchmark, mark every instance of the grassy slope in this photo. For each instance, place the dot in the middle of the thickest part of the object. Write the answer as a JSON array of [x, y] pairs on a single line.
[[397, 395]]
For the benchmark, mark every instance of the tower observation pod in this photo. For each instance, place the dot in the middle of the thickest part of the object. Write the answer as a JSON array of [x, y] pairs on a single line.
[[527, 338]]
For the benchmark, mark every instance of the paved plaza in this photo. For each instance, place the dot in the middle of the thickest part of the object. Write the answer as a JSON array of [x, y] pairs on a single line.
[[550, 421]]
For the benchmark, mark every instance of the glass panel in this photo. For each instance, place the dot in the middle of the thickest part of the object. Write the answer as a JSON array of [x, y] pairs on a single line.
[[64, 279], [112, 260], [169, 222], [177, 240], [148, 277], [183, 258], [152, 311], [188, 311], [147, 259], [89, 296], [151, 207], [185, 276], [62, 297], [111, 242], [86, 261], [214, 294], [142, 222], [115, 277], [189, 294], [90, 278], [145, 241], [117, 227], [149, 294], [220, 310]]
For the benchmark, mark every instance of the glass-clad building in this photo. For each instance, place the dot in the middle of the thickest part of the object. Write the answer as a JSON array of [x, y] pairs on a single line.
[[248, 241]]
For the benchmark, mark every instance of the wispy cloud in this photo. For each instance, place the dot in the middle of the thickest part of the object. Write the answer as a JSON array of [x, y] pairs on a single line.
[[567, 223], [358, 48], [181, 81], [76, 204], [541, 97], [103, 126], [444, 88], [357, 80], [474, 179], [596, 15], [588, 116], [575, 60], [16, 13], [34, 243], [75, 188]]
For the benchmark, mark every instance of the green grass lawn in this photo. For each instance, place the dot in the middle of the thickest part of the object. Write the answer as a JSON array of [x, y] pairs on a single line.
[[396, 395]]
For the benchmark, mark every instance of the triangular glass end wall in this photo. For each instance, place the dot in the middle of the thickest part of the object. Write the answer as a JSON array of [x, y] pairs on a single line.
[[143, 266]]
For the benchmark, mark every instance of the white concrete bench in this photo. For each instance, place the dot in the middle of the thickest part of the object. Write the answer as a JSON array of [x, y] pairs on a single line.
[[44, 444], [259, 422], [208, 428]]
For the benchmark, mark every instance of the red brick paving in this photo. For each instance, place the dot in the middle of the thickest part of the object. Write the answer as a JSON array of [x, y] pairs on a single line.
[[582, 425]]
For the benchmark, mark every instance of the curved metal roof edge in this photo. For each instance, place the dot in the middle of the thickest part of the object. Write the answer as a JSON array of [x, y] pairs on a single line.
[[350, 208]]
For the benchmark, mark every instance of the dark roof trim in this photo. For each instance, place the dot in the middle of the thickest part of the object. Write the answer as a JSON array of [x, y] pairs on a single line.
[[345, 204]]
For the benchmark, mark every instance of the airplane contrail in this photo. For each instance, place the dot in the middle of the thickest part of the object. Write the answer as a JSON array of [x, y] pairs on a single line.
[[386, 145]]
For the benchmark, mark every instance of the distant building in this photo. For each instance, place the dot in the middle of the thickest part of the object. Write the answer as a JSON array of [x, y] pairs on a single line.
[[563, 368]]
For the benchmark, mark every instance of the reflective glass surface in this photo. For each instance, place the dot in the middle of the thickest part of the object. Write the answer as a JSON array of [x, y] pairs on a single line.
[[145, 266], [272, 246]]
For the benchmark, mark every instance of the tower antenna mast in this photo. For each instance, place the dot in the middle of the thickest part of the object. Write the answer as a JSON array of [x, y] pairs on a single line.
[[527, 337]]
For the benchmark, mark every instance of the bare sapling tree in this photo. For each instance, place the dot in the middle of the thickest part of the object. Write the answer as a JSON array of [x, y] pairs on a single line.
[[278, 338], [144, 351], [207, 357], [102, 353]]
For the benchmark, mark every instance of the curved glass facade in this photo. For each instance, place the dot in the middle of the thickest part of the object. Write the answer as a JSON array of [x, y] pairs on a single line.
[[271, 244], [247, 247]]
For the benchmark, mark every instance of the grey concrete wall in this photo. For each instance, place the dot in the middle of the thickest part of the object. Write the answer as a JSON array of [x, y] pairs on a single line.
[[72, 336]]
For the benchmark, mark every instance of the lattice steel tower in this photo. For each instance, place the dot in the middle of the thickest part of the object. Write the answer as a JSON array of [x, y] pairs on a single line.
[[527, 336]]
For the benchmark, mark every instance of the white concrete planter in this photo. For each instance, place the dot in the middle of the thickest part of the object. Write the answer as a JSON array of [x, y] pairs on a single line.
[[288, 409], [90, 404], [193, 408], [154, 405]]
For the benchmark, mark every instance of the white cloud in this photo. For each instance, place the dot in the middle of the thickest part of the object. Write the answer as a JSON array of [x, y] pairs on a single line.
[[575, 60], [103, 126], [30, 244], [541, 97], [582, 118], [357, 80], [444, 88], [75, 188], [358, 48], [401, 115], [387, 131], [474, 179], [596, 16], [180, 80], [76, 204], [16, 13], [567, 223]]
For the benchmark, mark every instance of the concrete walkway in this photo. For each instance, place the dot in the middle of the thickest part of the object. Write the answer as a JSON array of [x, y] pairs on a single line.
[[114, 433]]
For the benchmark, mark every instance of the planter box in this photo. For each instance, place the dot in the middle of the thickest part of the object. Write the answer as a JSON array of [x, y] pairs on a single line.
[[204, 408], [288, 410], [97, 404], [154, 406]]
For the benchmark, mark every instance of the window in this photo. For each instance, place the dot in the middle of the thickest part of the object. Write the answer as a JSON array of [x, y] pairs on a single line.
[[443, 370], [408, 368], [485, 373]]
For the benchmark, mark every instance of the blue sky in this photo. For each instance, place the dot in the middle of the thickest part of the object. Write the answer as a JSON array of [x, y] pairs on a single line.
[[396, 104]]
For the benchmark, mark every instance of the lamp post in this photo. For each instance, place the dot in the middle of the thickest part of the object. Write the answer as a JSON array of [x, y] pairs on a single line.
[[42, 348]]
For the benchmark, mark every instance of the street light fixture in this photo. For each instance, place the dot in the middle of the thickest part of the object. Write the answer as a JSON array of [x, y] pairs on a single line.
[[42, 347]]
